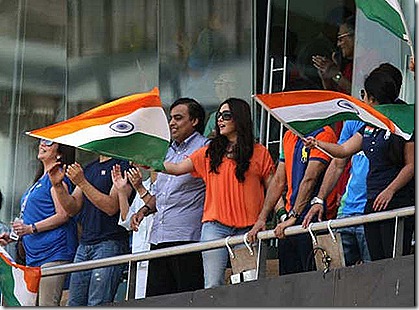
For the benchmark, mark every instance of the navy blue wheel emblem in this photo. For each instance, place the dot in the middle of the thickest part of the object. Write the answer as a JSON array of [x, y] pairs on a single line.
[[122, 126]]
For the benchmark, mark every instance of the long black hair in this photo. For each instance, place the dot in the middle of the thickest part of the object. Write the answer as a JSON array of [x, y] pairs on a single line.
[[243, 150]]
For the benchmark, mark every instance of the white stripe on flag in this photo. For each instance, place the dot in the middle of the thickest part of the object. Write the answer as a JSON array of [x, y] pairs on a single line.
[[20, 291], [151, 121]]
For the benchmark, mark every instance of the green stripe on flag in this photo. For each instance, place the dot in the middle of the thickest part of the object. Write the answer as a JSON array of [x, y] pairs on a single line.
[[403, 115], [306, 127], [383, 13], [141, 148], [7, 285]]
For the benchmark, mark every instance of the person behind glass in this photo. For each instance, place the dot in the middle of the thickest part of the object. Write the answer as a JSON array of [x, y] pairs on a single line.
[[390, 180], [48, 232], [95, 202], [336, 73], [236, 172], [300, 171], [177, 204]]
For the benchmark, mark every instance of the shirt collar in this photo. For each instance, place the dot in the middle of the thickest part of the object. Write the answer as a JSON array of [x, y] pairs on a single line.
[[184, 143]]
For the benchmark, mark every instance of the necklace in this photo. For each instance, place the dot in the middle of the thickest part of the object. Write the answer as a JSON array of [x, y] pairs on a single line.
[[230, 151]]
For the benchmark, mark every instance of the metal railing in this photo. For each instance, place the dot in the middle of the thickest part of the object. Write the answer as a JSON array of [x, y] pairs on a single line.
[[398, 214]]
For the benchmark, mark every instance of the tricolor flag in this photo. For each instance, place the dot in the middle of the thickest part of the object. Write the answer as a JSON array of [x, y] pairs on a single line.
[[18, 284], [387, 13], [134, 128], [307, 110]]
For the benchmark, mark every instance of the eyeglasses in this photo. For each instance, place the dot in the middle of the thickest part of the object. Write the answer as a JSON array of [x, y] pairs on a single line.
[[362, 94], [46, 142], [341, 36], [225, 115]]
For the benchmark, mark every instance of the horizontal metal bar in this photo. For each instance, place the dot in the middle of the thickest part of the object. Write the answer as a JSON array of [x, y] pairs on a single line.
[[207, 245]]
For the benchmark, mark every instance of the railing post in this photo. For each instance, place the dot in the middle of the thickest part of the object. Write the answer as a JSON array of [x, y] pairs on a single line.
[[132, 280], [263, 254], [398, 236]]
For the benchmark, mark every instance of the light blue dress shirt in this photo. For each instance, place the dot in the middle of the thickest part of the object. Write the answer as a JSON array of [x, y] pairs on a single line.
[[179, 199]]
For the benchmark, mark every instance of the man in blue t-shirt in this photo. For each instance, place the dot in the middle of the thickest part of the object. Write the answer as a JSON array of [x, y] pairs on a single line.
[[95, 202], [353, 200]]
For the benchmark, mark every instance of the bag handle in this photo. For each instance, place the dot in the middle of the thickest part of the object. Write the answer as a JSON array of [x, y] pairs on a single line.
[[330, 231], [247, 244], [229, 248], [312, 235]]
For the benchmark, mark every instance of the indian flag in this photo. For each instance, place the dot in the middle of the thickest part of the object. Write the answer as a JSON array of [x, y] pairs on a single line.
[[18, 284], [387, 13], [307, 110], [134, 128]]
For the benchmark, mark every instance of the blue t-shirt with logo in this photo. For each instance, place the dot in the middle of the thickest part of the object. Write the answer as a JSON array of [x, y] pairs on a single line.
[[385, 152], [57, 244]]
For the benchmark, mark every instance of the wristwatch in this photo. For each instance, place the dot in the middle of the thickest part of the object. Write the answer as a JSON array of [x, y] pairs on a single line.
[[336, 78], [294, 214], [317, 200]]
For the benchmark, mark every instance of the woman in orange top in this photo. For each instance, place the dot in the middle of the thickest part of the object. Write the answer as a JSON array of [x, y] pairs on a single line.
[[236, 171]]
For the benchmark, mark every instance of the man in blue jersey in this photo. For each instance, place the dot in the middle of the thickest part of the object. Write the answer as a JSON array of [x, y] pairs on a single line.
[[95, 202], [353, 200]]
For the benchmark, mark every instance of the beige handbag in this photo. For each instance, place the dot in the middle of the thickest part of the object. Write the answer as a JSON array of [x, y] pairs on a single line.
[[244, 261], [328, 250]]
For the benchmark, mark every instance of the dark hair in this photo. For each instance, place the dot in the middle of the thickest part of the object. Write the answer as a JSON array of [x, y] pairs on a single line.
[[350, 23], [243, 149], [67, 156], [381, 86], [196, 111], [394, 73]]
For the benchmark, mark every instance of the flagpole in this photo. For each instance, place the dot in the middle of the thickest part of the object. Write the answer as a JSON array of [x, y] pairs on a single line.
[[289, 127], [409, 40]]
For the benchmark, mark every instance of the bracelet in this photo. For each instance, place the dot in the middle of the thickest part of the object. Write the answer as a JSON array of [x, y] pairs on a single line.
[[148, 209], [34, 229], [145, 194], [336, 78], [317, 200]]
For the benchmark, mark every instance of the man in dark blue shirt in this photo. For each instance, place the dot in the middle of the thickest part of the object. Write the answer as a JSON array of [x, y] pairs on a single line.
[[95, 202]]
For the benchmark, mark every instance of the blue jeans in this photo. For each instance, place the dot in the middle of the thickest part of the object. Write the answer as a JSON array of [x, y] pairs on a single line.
[[215, 261], [354, 243], [96, 286]]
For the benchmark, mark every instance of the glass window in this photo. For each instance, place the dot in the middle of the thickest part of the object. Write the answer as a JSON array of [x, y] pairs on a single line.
[[205, 51], [369, 51], [32, 88], [112, 52]]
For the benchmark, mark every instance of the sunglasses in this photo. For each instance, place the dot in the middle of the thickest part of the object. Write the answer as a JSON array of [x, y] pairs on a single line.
[[362, 94], [225, 115], [46, 142], [341, 36]]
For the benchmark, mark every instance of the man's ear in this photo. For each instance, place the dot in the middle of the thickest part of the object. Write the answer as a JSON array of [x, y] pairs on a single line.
[[195, 122]]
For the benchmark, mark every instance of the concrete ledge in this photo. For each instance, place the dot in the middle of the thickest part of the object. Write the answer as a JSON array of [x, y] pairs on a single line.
[[385, 283]]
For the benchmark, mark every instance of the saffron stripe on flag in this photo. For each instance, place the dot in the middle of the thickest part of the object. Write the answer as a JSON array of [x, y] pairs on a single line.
[[18, 284], [307, 110], [131, 128]]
